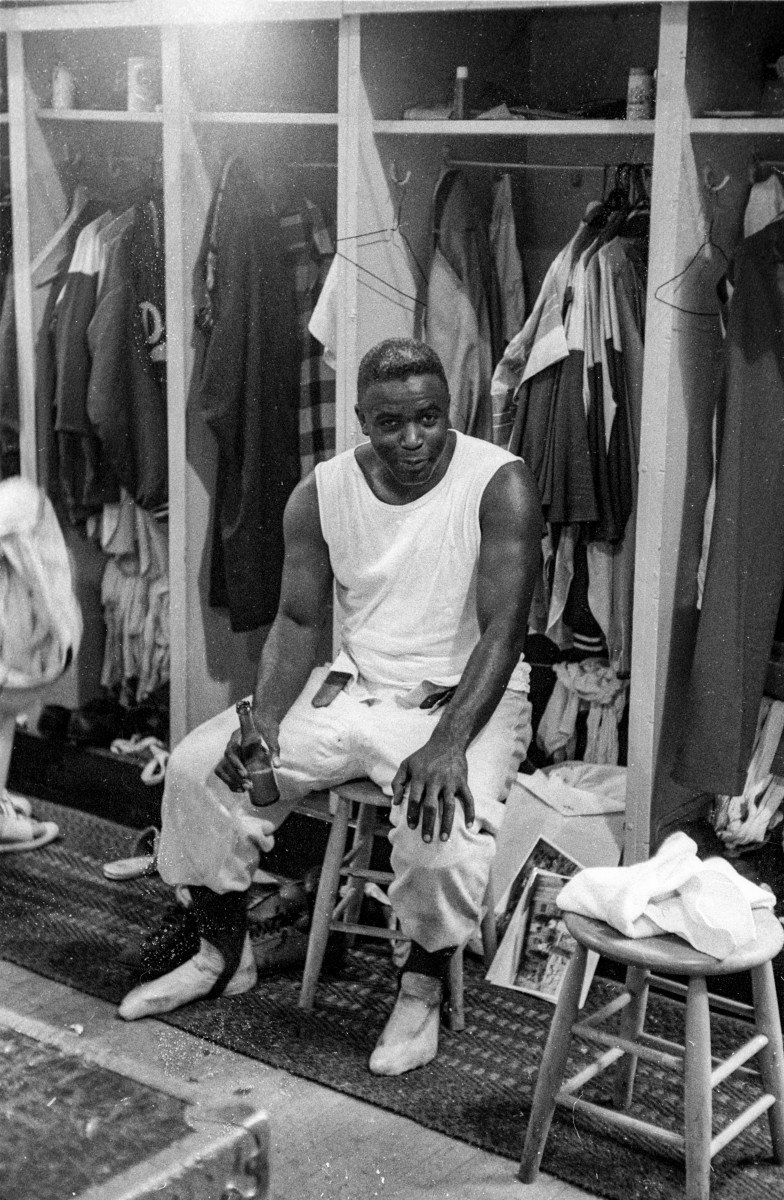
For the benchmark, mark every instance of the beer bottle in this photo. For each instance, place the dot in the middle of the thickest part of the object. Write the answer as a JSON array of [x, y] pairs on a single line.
[[256, 758]]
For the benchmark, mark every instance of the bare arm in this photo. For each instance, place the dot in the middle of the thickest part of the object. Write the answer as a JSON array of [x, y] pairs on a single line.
[[289, 653], [510, 518]]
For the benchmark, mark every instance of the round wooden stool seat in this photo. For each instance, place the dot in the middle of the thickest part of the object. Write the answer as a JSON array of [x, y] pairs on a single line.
[[670, 954], [692, 1061]]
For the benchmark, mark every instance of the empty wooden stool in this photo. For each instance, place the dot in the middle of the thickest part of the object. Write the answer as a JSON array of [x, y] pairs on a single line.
[[700, 1075], [341, 916]]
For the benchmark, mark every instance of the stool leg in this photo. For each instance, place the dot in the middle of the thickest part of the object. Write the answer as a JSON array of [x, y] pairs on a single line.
[[552, 1067], [768, 1021], [489, 935], [363, 845], [455, 992], [698, 1099], [632, 1023], [325, 902]]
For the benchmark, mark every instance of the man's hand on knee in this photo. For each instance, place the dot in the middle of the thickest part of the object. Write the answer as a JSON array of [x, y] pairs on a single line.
[[435, 778]]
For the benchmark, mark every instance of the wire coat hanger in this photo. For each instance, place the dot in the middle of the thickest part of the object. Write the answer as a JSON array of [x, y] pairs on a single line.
[[708, 242]]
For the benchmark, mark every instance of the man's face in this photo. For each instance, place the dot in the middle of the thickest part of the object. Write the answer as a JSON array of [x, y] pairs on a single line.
[[407, 421]]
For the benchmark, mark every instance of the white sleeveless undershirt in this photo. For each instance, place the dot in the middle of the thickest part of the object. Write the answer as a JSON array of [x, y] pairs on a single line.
[[406, 573]]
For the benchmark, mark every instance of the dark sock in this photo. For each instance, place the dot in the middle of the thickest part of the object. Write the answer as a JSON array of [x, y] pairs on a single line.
[[222, 920], [425, 962]]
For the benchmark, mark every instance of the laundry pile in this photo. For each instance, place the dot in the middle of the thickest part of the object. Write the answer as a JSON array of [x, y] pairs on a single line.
[[707, 903]]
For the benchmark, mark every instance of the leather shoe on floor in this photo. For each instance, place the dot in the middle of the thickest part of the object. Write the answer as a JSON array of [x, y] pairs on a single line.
[[410, 1037]]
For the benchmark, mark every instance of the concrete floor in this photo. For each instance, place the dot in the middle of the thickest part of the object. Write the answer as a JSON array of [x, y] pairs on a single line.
[[324, 1145]]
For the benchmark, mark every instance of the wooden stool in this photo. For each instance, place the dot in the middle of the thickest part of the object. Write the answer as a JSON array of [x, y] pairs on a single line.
[[676, 957], [331, 915]]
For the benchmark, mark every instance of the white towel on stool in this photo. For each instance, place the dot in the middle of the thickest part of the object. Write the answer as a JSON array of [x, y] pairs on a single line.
[[707, 903]]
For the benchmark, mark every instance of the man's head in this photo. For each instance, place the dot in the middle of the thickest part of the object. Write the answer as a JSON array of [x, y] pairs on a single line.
[[397, 358], [403, 408]]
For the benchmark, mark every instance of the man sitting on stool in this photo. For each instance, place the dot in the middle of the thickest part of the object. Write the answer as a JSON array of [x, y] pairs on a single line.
[[432, 541]]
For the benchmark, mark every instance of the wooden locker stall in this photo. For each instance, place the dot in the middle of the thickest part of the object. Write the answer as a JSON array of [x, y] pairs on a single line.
[[266, 90], [568, 57], [709, 129], [262, 81]]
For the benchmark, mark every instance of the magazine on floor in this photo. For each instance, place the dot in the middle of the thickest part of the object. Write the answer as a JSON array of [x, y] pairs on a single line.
[[536, 947]]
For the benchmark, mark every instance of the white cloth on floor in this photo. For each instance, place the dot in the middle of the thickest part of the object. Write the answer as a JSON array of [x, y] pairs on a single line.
[[40, 619], [707, 903]]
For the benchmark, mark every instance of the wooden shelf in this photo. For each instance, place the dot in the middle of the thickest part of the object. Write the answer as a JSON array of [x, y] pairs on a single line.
[[265, 118], [107, 116], [737, 126], [570, 128]]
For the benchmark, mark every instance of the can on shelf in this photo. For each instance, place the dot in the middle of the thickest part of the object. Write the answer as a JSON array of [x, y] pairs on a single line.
[[142, 85], [640, 94]]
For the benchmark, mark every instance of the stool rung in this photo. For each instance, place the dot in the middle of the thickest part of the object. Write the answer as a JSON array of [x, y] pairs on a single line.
[[735, 1127], [620, 1120], [647, 1053], [370, 930], [366, 873], [721, 1003], [591, 1071], [731, 1064], [608, 1010], [343, 904], [350, 855], [662, 1043]]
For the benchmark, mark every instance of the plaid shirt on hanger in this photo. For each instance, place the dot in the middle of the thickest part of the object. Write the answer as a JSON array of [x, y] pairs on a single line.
[[311, 248]]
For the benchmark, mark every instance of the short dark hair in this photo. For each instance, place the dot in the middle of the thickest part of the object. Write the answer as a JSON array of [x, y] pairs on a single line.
[[398, 358]]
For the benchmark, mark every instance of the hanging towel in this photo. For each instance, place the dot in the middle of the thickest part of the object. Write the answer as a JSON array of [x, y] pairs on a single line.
[[744, 820], [708, 903], [592, 685]]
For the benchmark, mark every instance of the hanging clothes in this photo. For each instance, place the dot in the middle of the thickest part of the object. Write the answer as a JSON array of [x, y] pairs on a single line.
[[765, 204], [126, 336], [570, 385], [85, 483], [463, 320], [506, 259], [246, 383], [745, 571], [311, 251], [9, 384], [135, 599]]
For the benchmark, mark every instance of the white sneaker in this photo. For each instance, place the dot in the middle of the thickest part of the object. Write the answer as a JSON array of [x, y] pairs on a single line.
[[192, 980], [410, 1037]]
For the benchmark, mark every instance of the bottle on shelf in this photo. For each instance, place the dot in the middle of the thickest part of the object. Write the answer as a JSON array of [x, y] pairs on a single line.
[[256, 758], [459, 98]]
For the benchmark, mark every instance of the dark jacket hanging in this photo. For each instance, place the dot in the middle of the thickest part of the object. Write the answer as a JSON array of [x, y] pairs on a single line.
[[246, 385], [745, 574], [126, 399]]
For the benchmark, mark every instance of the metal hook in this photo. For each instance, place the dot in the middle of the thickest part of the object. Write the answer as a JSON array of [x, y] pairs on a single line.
[[708, 180], [401, 183]]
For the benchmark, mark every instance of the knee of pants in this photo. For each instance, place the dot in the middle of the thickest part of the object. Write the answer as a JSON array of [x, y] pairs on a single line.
[[439, 886]]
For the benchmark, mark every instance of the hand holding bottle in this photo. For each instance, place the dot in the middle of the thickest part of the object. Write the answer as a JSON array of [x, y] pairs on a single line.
[[248, 759]]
